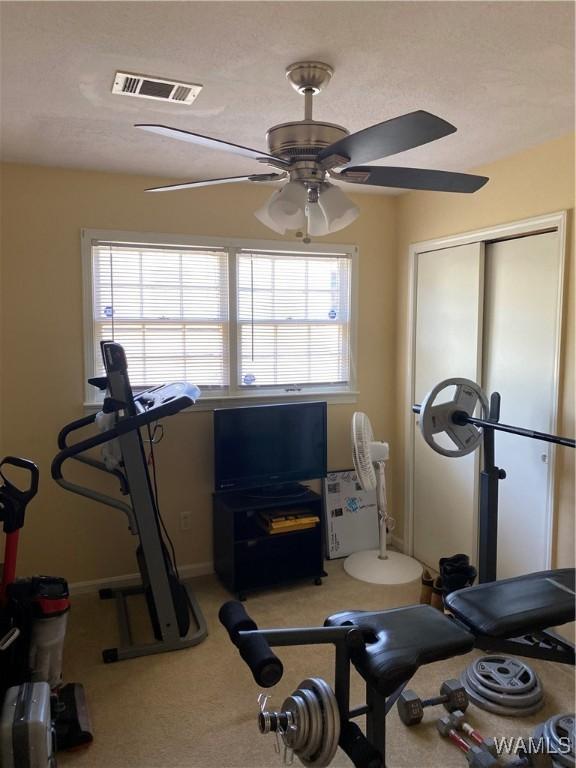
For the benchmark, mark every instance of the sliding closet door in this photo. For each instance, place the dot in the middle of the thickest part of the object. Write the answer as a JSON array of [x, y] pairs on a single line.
[[447, 331], [521, 327]]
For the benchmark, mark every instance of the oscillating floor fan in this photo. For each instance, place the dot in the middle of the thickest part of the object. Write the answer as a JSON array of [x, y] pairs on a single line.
[[378, 566]]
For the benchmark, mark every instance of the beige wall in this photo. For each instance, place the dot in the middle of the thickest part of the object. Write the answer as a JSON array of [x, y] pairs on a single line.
[[42, 386], [538, 181], [43, 210]]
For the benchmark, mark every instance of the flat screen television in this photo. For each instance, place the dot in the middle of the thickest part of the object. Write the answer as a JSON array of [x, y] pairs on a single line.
[[269, 445]]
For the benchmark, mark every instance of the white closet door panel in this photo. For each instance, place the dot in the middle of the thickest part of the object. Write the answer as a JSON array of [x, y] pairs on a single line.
[[448, 327], [522, 285]]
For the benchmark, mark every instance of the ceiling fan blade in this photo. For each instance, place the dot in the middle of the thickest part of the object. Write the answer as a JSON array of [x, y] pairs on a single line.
[[413, 178], [390, 137], [205, 141], [209, 182]]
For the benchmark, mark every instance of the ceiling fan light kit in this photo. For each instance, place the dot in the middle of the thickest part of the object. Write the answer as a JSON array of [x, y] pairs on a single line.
[[309, 151], [285, 209]]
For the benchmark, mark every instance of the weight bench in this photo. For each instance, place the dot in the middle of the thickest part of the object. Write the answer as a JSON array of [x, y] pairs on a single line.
[[388, 647], [514, 615]]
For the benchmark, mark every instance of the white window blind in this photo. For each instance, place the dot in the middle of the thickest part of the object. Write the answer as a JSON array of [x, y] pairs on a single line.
[[293, 319], [241, 319], [168, 307]]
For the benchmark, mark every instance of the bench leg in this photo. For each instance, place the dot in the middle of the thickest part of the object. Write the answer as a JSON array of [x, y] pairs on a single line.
[[376, 721]]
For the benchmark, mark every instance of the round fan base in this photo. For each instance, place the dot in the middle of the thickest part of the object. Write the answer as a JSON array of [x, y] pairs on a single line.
[[396, 569]]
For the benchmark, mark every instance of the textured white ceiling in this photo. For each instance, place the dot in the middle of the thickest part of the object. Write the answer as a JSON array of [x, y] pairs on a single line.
[[502, 72]]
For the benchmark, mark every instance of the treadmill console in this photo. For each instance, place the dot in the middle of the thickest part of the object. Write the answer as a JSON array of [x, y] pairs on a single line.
[[157, 396]]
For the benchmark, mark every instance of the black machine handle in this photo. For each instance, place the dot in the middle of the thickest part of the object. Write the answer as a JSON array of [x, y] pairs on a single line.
[[266, 667], [123, 426], [14, 500], [24, 495], [72, 427]]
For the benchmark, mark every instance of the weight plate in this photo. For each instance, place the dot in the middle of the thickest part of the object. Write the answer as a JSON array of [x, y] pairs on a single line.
[[314, 740], [437, 419], [315, 757], [555, 730], [503, 674], [330, 731], [319, 759], [503, 680], [296, 737], [500, 709], [521, 700], [333, 714]]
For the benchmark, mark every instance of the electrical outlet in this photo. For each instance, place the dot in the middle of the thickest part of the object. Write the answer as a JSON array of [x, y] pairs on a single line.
[[185, 521]]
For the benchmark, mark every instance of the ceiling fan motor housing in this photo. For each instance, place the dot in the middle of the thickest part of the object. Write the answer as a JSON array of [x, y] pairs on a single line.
[[302, 138]]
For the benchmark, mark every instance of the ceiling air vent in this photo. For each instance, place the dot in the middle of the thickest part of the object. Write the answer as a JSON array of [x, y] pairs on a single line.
[[144, 87]]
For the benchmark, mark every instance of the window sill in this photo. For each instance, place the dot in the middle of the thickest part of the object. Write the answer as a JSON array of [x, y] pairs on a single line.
[[208, 403]]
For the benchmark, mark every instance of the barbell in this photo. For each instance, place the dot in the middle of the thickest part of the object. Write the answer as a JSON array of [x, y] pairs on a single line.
[[455, 419]]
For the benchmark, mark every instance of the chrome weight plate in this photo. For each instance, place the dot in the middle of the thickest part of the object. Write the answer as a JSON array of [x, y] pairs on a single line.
[[296, 736], [332, 713], [436, 417], [330, 722], [314, 740]]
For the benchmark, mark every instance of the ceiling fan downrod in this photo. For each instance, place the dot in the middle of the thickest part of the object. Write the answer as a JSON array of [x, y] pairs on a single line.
[[308, 78], [301, 140]]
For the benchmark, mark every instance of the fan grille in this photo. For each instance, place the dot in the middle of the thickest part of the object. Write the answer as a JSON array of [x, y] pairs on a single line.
[[362, 437], [299, 151]]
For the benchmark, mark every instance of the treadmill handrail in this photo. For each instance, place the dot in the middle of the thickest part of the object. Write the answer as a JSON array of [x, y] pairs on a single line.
[[124, 425], [72, 452], [109, 501], [72, 427]]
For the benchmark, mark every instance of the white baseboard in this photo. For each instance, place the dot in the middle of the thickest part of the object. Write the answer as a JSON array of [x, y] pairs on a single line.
[[397, 543], [130, 579]]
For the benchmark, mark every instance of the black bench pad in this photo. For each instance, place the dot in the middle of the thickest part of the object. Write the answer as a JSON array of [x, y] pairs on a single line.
[[518, 606], [400, 640]]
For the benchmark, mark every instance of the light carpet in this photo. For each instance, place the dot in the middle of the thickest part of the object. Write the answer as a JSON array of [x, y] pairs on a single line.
[[197, 708]]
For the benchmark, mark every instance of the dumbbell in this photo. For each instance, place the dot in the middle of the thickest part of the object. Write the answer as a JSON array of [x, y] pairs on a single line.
[[532, 760], [476, 756], [411, 707], [456, 718]]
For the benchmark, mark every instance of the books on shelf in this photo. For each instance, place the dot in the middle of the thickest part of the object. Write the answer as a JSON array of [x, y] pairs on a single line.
[[274, 523]]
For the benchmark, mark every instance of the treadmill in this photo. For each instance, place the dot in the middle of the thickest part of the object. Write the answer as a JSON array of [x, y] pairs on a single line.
[[175, 616]]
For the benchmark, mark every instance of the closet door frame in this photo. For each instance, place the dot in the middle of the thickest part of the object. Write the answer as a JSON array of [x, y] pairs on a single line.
[[553, 222]]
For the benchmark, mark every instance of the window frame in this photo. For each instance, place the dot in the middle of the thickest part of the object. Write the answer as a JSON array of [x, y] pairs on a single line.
[[234, 396]]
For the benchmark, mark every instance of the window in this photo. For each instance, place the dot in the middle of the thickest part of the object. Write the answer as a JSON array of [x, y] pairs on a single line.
[[168, 307], [293, 319], [237, 321]]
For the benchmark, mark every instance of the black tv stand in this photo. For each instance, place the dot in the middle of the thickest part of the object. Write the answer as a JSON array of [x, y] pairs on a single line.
[[248, 558]]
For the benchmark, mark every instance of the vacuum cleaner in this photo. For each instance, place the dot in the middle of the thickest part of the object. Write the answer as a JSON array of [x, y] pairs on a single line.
[[39, 715]]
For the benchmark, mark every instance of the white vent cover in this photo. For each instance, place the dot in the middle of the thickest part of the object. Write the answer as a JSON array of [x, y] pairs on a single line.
[[159, 89]]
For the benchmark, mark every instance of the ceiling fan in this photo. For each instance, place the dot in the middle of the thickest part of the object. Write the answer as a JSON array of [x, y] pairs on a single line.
[[308, 152]]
